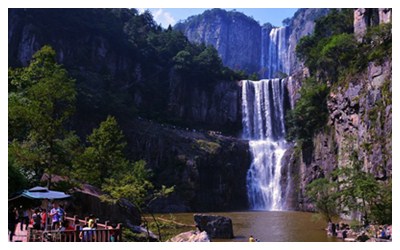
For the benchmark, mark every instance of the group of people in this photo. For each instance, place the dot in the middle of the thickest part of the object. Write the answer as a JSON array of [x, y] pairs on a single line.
[[36, 217], [370, 231], [56, 220], [334, 229]]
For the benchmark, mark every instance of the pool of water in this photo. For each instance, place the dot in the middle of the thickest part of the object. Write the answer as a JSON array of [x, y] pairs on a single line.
[[269, 226]]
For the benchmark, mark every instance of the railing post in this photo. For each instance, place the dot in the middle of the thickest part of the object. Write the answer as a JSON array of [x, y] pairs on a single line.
[[76, 236], [107, 231], [119, 232]]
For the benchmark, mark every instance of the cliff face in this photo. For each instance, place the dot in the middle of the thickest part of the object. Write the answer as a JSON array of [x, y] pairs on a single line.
[[104, 62], [360, 122], [207, 169], [236, 37], [244, 44], [301, 24]]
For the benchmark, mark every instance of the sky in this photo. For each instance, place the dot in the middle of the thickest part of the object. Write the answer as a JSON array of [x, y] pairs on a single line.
[[166, 16]]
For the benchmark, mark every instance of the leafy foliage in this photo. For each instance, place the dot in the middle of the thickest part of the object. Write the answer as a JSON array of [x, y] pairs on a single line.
[[104, 156], [331, 47], [310, 113], [323, 194], [41, 100], [351, 189], [332, 52]]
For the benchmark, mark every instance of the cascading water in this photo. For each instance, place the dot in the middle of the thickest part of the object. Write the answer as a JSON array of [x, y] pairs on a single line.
[[278, 60], [263, 124]]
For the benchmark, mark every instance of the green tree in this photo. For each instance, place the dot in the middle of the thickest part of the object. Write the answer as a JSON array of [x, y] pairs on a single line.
[[323, 194], [133, 183], [359, 190], [331, 46], [310, 113], [105, 154], [41, 101]]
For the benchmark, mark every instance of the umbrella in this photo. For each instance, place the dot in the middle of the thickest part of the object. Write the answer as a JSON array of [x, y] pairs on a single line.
[[42, 193]]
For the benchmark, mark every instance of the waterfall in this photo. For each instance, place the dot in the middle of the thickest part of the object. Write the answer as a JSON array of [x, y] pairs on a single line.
[[278, 59], [263, 124]]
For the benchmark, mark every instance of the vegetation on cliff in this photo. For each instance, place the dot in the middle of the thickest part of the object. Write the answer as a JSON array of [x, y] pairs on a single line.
[[334, 58], [123, 62]]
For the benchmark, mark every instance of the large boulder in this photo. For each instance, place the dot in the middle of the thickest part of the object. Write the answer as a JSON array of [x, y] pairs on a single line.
[[191, 236], [215, 226]]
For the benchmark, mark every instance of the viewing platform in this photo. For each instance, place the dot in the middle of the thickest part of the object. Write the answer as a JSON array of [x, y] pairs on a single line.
[[102, 233]]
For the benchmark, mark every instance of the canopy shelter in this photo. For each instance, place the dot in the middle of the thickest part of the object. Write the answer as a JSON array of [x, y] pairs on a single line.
[[41, 193]]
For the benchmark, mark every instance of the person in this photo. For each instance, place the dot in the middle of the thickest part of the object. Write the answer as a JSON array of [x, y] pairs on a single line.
[[88, 233], [333, 229], [37, 220], [251, 239], [76, 224], [24, 219], [113, 234], [43, 215], [344, 233], [61, 213], [55, 217], [12, 221], [329, 229], [63, 226]]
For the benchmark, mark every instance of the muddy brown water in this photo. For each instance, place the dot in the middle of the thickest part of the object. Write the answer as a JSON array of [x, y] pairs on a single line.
[[268, 226]]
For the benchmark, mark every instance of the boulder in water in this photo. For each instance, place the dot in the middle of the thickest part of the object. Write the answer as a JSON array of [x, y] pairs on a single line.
[[215, 226]]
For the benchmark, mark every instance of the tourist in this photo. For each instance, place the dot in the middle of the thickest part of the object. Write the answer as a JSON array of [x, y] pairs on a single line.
[[333, 229], [63, 226], [88, 233], [43, 215], [61, 213], [113, 236], [251, 239], [37, 220], [12, 221], [55, 217], [344, 233], [24, 218], [76, 223], [329, 229]]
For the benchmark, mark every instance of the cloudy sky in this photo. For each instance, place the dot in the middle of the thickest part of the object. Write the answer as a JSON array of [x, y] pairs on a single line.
[[166, 16]]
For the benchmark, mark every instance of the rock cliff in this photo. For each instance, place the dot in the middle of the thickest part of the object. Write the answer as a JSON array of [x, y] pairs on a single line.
[[111, 73], [244, 44], [360, 122], [236, 36], [207, 169]]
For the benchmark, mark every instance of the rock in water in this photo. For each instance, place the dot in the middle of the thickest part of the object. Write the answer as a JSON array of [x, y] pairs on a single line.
[[215, 226], [191, 236]]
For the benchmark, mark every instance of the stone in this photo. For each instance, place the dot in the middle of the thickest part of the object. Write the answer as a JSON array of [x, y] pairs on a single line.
[[215, 226], [191, 236]]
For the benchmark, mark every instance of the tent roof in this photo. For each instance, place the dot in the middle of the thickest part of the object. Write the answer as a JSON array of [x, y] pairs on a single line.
[[42, 193]]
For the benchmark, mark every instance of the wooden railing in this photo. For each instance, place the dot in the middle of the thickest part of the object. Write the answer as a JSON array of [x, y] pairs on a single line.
[[102, 233]]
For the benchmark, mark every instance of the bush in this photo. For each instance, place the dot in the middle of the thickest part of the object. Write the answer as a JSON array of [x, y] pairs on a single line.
[[310, 113]]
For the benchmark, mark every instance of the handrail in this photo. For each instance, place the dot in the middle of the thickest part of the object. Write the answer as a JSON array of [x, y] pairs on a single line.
[[102, 233]]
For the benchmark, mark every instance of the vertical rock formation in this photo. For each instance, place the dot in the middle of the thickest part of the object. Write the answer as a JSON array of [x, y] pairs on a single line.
[[360, 120], [243, 44], [236, 36]]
